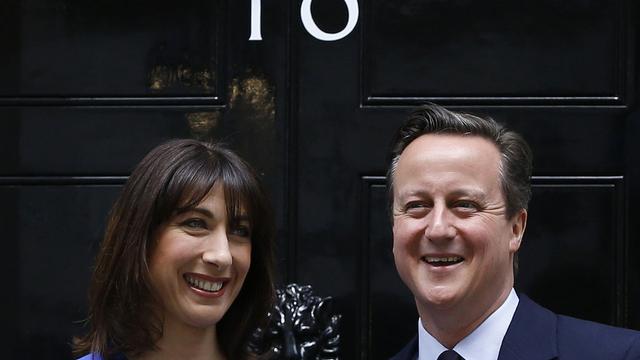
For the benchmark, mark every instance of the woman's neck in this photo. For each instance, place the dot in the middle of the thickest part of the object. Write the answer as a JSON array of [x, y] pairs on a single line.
[[181, 341]]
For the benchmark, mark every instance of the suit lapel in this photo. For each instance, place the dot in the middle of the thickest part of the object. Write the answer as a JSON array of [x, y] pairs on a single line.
[[531, 334], [409, 352]]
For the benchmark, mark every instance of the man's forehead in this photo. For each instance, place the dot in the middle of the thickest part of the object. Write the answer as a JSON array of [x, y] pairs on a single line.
[[456, 164], [437, 142], [451, 150]]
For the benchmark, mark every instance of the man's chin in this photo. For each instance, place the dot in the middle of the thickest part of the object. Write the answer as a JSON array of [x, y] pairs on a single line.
[[441, 299]]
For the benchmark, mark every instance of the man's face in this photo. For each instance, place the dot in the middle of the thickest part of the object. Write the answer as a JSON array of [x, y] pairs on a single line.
[[453, 244]]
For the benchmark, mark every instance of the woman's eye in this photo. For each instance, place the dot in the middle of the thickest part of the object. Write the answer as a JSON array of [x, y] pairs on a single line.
[[195, 224], [241, 230]]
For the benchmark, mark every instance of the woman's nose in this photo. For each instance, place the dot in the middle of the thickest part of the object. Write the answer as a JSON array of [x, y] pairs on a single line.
[[216, 251]]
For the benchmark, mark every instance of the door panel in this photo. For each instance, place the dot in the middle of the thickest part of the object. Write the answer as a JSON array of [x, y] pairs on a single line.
[[115, 48], [464, 51], [52, 228], [573, 247]]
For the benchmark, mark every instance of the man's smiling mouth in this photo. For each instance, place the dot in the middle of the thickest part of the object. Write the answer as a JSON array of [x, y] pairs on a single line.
[[442, 260]]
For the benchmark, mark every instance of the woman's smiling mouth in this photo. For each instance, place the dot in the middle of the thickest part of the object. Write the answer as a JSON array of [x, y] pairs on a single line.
[[197, 282]]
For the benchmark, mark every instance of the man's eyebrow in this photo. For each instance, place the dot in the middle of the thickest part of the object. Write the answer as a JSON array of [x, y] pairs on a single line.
[[474, 193], [414, 192]]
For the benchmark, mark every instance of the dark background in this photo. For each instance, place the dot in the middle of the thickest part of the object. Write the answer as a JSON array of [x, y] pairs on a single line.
[[88, 87]]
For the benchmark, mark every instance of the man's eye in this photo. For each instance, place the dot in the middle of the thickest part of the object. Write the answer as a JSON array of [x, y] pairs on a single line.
[[466, 205], [416, 207]]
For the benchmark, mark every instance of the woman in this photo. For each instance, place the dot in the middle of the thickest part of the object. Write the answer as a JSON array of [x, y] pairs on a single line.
[[184, 270]]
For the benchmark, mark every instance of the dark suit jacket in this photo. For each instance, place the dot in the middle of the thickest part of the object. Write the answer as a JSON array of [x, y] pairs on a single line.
[[537, 333]]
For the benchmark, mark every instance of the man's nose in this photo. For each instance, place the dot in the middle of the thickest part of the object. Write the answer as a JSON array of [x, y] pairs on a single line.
[[216, 250], [439, 224]]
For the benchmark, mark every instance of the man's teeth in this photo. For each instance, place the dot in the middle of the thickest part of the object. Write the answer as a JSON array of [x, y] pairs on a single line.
[[450, 259], [203, 284]]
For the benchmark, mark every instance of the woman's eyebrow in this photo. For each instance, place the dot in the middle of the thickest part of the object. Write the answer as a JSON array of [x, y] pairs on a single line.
[[241, 217], [203, 211]]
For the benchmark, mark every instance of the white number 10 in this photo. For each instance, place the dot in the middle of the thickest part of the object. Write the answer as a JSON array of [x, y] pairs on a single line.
[[307, 21]]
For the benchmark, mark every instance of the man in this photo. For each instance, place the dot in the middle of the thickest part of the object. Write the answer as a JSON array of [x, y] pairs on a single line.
[[459, 190]]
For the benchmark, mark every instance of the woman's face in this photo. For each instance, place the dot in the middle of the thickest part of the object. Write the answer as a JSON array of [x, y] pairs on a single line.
[[200, 261]]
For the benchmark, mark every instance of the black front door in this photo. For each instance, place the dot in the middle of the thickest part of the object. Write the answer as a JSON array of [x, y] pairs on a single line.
[[89, 87]]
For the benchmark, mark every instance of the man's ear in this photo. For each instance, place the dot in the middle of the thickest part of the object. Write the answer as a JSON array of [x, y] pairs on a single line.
[[518, 225]]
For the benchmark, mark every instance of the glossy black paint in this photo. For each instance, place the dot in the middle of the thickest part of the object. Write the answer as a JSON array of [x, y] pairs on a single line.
[[70, 48], [488, 51], [52, 228], [88, 88]]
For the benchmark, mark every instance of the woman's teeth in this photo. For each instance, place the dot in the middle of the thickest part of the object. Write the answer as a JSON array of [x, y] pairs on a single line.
[[200, 284]]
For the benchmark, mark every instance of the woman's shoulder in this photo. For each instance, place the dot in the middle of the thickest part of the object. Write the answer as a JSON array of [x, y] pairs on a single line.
[[91, 357]]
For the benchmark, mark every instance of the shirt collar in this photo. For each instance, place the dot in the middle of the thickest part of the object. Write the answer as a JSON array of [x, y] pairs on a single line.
[[482, 344]]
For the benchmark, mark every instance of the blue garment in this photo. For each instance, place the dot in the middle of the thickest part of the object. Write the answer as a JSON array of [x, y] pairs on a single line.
[[91, 357], [537, 333]]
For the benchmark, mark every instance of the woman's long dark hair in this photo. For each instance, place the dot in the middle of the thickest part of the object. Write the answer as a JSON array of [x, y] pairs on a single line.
[[123, 313]]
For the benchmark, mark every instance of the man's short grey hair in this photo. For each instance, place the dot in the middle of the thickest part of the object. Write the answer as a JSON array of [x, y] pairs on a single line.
[[516, 157]]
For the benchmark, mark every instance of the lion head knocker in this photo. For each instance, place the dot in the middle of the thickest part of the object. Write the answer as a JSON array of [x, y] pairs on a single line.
[[301, 326]]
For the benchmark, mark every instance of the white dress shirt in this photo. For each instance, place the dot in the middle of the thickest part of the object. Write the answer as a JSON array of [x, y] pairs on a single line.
[[482, 344]]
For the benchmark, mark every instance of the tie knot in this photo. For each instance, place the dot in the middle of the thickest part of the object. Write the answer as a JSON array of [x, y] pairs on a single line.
[[450, 355]]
